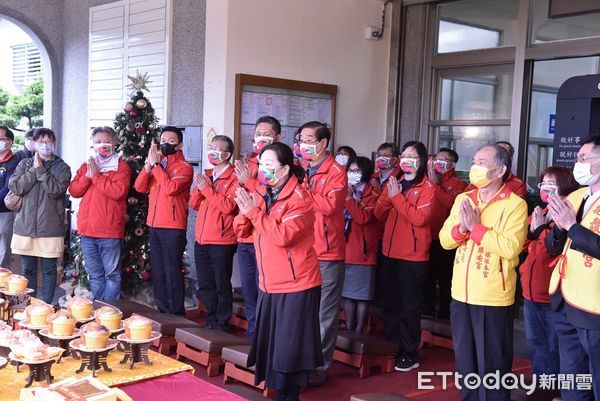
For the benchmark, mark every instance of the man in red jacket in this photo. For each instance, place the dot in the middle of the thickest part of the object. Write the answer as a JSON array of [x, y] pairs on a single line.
[[327, 186], [442, 173], [167, 177], [103, 182]]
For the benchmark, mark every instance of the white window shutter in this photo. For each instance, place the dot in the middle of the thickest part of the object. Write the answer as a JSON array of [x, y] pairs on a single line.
[[125, 37]]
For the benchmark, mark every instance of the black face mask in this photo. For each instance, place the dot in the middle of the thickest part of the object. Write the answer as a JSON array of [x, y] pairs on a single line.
[[167, 149]]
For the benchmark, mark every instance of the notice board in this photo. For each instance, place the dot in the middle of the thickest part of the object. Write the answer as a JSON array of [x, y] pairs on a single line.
[[292, 102]]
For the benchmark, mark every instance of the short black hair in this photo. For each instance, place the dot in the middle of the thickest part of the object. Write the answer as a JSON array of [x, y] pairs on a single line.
[[452, 153], [172, 128], [8, 132], [41, 132], [423, 155], [594, 140], [105, 129], [275, 124], [351, 152], [321, 130], [502, 158], [29, 133], [389, 145], [366, 167], [511, 148], [227, 140]]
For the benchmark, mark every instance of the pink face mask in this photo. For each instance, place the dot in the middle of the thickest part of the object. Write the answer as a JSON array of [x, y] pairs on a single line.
[[547, 191], [441, 166], [408, 166], [383, 163]]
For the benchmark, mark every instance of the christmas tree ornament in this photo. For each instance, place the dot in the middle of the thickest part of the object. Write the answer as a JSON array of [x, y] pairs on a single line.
[[139, 231], [152, 127], [129, 269], [130, 127], [145, 256], [146, 276], [128, 106], [132, 201], [133, 113], [141, 104], [185, 271], [139, 82]]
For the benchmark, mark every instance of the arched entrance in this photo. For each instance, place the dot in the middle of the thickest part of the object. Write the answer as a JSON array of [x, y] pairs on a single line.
[[49, 67]]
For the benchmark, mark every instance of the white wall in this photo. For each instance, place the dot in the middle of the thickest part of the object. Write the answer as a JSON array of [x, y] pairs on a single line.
[[309, 40]]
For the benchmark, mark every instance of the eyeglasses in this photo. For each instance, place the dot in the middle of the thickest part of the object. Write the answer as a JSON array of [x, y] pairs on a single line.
[[45, 142], [355, 171], [586, 157], [5, 139], [546, 184]]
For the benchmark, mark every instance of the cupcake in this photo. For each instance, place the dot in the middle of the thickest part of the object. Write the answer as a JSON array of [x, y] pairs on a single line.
[[138, 327], [94, 335], [38, 313], [4, 275], [16, 283], [109, 317], [61, 324], [80, 308]]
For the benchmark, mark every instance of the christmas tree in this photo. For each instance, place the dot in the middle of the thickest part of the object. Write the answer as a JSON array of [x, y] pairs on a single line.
[[136, 127]]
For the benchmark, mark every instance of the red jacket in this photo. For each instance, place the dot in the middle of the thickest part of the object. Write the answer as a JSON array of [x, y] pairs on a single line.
[[535, 270], [363, 240], [284, 240], [102, 210], [328, 188], [407, 235], [445, 193], [514, 183], [380, 186], [251, 184], [169, 192], [216, 209]]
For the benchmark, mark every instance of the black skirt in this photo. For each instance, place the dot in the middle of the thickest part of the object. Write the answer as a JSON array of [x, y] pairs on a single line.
[[287, 339]]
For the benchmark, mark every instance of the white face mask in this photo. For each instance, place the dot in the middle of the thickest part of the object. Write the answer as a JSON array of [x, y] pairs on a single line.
[[354, 178], [44, 149], [30, 145], [583, 174], [342, 159]]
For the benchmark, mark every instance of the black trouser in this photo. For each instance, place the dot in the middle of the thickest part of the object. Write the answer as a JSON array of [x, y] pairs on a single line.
[[441, 262], [403, 303], [482, 337], [166, 257], [214, 265]]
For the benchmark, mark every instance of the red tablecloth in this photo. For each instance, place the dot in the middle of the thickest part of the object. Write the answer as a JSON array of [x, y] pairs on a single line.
[[180, 386]]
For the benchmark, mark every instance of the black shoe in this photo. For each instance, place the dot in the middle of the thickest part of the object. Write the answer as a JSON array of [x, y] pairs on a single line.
[[208, 325], [222, 327], [406, 364], [318, 377]]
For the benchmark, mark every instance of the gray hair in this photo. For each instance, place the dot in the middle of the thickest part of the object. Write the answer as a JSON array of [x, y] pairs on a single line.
[[502, 158], [107, 130]]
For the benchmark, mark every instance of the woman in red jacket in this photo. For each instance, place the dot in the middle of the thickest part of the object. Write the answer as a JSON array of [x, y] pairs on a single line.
[[215, 240], [406, 241], [103, 182], [362, 243], [279, 214], [535, 275]]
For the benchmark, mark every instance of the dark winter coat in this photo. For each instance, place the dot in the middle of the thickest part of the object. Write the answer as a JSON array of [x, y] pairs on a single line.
[[43, 190]]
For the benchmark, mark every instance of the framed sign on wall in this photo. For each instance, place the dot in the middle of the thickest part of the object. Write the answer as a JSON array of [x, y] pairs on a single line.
[[292, 102]]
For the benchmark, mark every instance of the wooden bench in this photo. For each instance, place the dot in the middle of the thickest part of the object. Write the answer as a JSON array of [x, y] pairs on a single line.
[[364, 352], [204, 346], [236, 368], [238, 315], [378, 397], [436, 332]]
